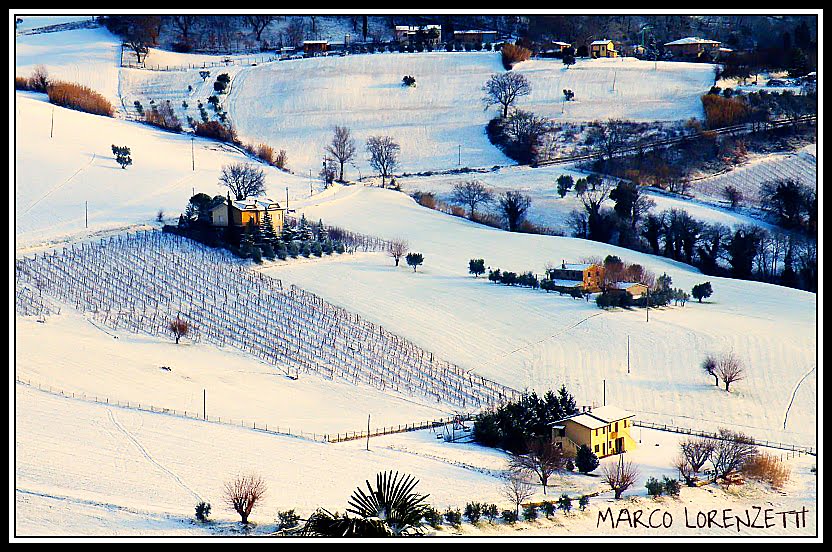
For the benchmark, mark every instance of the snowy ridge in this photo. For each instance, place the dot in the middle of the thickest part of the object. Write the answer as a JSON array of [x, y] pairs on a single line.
[[140, 282]]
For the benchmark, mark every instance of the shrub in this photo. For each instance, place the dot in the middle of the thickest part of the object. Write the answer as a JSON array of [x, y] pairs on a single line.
[[287, 519], [548, 508], [722, 112], [654, 487], [768, 468], [265, 153], [281, 160], [530, 512], [216, 131], [490, 512], [163, 117], [473, 511], [583, 502], [509, 516], [513, 53], [80, 98], [203, 510], [671, 486], [433, 517], [585, 459], [565, 503], [317, 249], [453, 517], [292, 249]]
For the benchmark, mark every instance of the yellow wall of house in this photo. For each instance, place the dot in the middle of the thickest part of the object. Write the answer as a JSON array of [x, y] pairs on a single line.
[[593, 278], [601, 441]]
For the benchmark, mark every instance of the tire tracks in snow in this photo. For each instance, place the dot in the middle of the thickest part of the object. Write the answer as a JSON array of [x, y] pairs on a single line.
[[794, 394], [148, 456], [59, 186]]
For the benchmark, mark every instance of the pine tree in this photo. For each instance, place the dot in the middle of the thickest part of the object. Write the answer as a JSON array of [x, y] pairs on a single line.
[[267, 230], [304, 230]]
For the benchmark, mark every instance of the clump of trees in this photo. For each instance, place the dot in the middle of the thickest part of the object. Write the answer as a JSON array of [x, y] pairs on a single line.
[[471, 193], [727, 452], [217, 131], [37, 82], [513, 426], [727, 368], [163, 116]]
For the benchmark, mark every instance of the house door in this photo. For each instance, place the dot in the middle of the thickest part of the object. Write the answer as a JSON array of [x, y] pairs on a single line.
[[619, 445]]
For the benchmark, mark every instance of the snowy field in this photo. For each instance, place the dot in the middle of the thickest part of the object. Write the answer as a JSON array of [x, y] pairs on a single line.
[[552, 211], [49, 198], [295, 104], [85, 56], [142, 473], [531, 339], [87, 468]]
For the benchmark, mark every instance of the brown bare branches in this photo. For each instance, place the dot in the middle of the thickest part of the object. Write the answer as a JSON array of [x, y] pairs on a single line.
[[243, 492]]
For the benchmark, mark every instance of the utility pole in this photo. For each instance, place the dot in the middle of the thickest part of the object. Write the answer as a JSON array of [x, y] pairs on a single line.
[[52, 125], [310, 182], [204, 415], [193, 161], [287, 199], [86, 216], [648, 303], [459, 156], [628, 354], [368, 432], [605, 393]]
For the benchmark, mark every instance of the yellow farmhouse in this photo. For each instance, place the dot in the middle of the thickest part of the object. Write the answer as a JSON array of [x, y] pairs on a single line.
[[251, 209], [605, 430], [603, 49]]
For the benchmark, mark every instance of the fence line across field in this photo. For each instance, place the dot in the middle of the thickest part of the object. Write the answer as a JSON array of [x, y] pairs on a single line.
[[141, 282], [699, 433], [338, 437]]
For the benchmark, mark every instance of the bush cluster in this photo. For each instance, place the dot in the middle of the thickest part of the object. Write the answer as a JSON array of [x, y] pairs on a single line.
[[80, 98]]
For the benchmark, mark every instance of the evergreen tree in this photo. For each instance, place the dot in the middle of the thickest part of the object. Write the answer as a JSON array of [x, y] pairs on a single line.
[[267, 232], [585, 460], [565, 183], [304, 232], [702, 291]]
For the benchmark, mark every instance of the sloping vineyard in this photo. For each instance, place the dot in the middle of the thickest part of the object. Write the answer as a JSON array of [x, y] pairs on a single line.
[[141, 282]]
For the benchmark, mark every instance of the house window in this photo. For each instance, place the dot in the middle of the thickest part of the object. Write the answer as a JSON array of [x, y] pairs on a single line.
[[616, 426], [596, 448]]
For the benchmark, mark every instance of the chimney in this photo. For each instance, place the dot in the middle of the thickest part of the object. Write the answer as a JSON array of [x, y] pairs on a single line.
[[563, 264]]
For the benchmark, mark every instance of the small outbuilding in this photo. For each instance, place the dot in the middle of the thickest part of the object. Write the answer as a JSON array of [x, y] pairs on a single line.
[[241, 212], [602, 49]]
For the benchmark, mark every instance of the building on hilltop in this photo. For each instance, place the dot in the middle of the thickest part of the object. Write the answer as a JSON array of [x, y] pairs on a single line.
[[588, 276], [605, 430], [602, 49], [692, 47], [239, 213]]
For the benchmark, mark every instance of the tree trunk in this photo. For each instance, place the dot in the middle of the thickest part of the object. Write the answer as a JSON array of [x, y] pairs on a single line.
[[341, 175]]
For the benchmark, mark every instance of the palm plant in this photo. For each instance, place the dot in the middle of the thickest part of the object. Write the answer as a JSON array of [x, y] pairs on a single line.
[[392, 508], [392, 501]]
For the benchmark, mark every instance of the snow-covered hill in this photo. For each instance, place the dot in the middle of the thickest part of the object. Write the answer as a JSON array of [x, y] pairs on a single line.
[[50, 196], [525, 338]]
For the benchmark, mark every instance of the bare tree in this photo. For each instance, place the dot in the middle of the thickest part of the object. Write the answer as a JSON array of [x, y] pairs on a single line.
[[513, 207], [294, 31], [179, 328], [610, 136], [685, 470], [183, 24], [709, 367], [471, 193], [342, 148], [503, 89], [384, 155], [695, 452], [729, 368], [243, 179], [397, 249], [732, 195], [620, 475], [542, 459], [258, 23], [516, 489], [243, 492], [731, 451]]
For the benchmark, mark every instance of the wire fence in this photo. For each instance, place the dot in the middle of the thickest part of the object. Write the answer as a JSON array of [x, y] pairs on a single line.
[[712, 435], [179, 413], [142, 282]]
